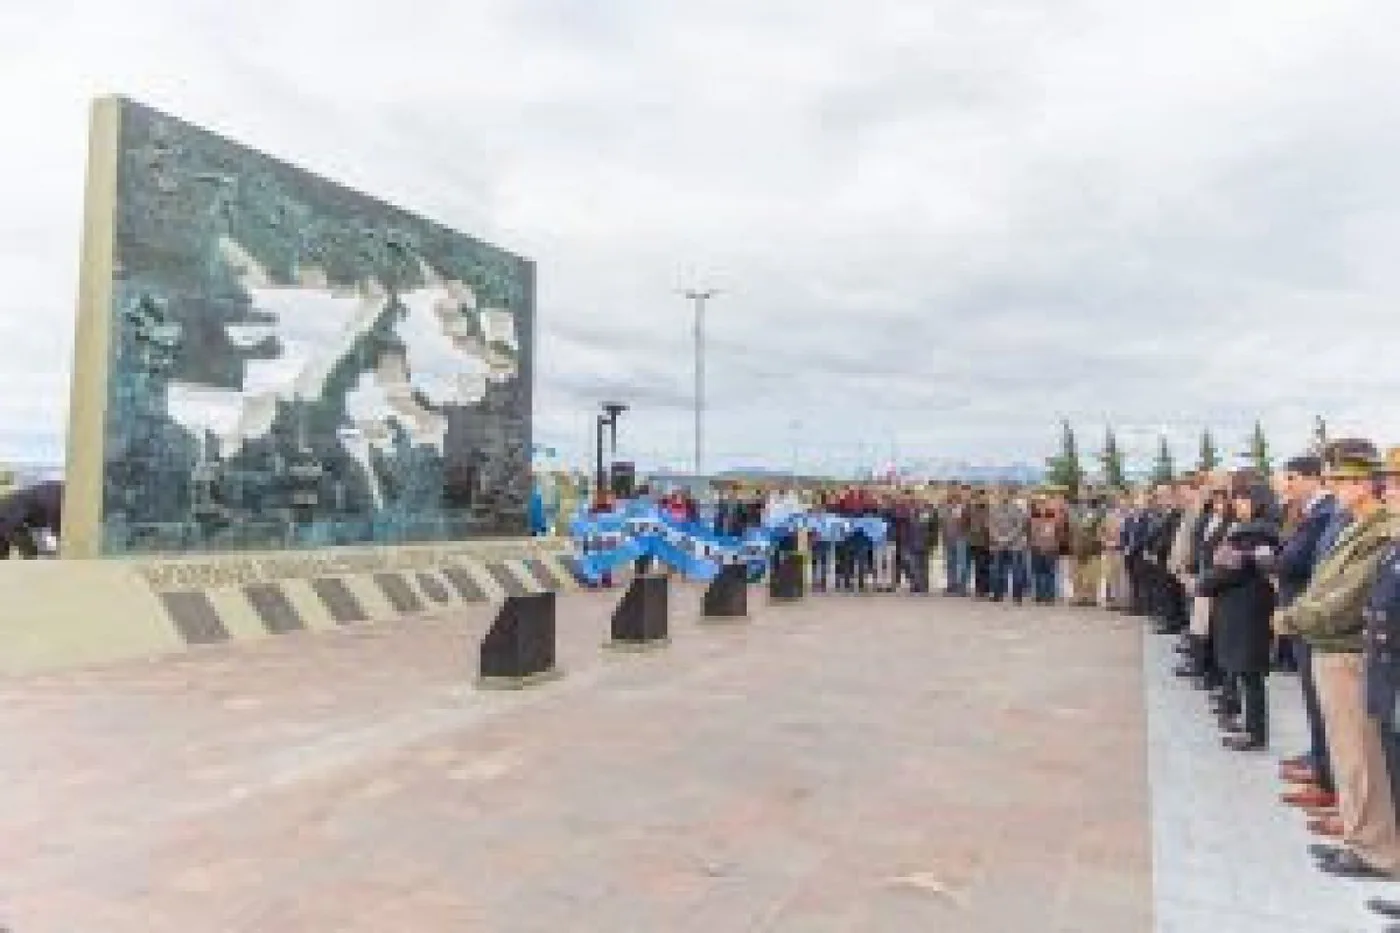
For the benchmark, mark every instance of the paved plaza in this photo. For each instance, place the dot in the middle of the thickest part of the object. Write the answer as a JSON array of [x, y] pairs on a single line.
[[843, 764]]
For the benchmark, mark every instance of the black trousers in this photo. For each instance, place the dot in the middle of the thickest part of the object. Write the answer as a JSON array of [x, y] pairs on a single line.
[[845, 560], [1390, 741], [981, 559], [1246, 693], [1137, 583], [912, 566]]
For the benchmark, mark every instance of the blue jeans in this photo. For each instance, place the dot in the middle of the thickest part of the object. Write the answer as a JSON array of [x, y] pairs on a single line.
[[1012, 564], [1043, 581], [955, 564]]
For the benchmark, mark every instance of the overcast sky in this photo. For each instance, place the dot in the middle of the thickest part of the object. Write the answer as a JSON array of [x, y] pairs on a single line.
[[940, 225]]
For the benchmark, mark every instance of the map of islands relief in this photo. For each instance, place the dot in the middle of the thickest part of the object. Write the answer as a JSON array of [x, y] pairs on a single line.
[[295, 364]]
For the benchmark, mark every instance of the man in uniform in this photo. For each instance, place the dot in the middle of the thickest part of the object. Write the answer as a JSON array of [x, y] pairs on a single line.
[[1382, 652], [1328, 614]]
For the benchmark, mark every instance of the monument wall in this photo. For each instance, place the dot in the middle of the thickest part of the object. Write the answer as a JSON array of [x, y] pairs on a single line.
[[267, 360]]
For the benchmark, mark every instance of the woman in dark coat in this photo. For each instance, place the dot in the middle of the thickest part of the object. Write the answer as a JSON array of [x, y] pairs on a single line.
[[1217, 516], [1243, 603]]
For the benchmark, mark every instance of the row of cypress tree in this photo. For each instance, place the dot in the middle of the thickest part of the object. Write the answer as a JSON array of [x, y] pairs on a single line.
[[1066, 467]]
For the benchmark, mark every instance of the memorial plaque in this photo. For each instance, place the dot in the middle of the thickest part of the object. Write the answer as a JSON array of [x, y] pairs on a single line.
[[727, 596], [519, 649], [641, 618], [268, 360]]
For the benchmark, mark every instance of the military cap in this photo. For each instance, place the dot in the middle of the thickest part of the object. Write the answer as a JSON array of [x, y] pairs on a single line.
[[1350, 458]]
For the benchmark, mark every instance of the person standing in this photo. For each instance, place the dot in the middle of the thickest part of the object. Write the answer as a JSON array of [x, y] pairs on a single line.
[[1243, 602], [1008, 537], [979, 543], [1135, 528], [1301, 483], [822, 543], [1218, 514], [1115, 583], [1179, 568], [1328, 614], [953, 525], [1062, 578], [1044, 546], [1381, 653], [917, 530], [1085, 523]]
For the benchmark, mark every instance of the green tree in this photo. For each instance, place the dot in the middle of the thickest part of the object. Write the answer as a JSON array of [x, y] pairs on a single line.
[[1258, 454], [1210, 457], [1164, 469], [1111, 461], [1065, 468]]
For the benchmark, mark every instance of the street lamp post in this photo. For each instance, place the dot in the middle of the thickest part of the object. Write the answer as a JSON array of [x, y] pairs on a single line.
[[698, 298], [606, 420]]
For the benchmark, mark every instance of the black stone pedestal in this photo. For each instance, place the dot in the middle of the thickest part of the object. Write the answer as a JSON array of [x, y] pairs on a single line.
[[787, 579], [727, 596], [519, 649], [640, 621]]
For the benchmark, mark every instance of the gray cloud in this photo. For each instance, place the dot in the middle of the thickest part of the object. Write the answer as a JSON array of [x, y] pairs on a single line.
[[940, 226]]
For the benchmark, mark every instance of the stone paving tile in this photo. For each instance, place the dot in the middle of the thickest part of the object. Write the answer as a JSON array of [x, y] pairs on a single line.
[[1228, 858], [862, 764]]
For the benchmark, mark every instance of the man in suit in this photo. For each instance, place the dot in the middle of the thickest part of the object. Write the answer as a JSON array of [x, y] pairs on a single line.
[[1179, 571], [1136, 535], [1301, 484], [1162, 537]]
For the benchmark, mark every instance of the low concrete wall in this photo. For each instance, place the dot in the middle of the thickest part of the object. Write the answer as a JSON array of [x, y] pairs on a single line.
[[67, 613]]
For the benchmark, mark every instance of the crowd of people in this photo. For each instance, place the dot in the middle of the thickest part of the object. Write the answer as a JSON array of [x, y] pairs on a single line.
[[1294, 573], [1299, 573]]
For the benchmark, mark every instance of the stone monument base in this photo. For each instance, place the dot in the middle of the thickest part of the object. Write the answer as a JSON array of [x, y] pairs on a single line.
[[57, 614]]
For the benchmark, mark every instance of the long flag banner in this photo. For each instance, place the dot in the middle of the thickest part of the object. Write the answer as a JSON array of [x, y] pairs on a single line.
[[609, 540]]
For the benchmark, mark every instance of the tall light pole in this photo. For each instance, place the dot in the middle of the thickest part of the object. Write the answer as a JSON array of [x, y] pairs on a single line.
[[697, 299]]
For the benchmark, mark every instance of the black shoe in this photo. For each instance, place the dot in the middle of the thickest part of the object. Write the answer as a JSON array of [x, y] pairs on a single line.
[[1324, 852], [1384, 907], [1229, 724], [1244, 743], [1349, 865], [1222, 708]]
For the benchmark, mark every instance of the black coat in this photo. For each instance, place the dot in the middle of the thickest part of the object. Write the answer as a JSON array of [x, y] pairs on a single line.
[[1243, 601]]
